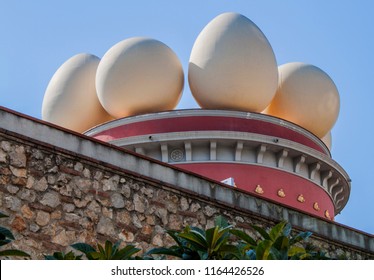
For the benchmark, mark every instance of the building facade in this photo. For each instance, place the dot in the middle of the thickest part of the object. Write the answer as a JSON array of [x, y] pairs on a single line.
[[59, 187]]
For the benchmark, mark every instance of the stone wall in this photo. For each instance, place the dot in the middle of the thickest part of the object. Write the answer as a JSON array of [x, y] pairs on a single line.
[[56, 197], [55, 200]]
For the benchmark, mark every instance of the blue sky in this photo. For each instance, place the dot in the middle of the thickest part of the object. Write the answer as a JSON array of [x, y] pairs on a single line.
[[337, 36]]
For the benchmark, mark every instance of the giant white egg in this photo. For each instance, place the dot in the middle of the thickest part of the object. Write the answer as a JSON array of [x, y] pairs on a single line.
[[306, 96], [232, 65], [327, 139], [70, 99], [139, 75]]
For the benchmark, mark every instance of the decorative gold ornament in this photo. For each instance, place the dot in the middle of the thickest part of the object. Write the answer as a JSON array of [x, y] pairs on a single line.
[[327, 214], [301, 198], [316, 206], [259, 190], [281, 193]]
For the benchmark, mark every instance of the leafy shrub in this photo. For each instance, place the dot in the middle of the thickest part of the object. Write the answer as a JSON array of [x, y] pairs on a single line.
[[108, 252], [196, 244], [217, 244]]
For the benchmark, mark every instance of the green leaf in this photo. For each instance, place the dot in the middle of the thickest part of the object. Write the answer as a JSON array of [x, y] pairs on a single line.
[[262, 232], [277, 230], [243, 236], [4, 242], [117, 245], [108, 249], [101, 252], [221, 222], [194, 243], [300, 237], [49, 258], [196, 238], [211, 237], [263, 250], [301, 256], [231, 252], [223, 233], [204, 255], [216, 237], [2, 215], [71, 256], [282, 243], [287, 230], [191, 255], [251, 254], [95, 256], [180, 252], [4, 232], [275, 254], [225, 230], [221, 242], [15, 253], [174, 235], [322, 256], [198, 231], [62, 256], [58, 256], [84, 248], [244, 248], [173, 251], [295, 250], [126, 253]]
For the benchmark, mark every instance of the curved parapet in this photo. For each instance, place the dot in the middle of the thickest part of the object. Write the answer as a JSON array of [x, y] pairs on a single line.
[[264, 155]]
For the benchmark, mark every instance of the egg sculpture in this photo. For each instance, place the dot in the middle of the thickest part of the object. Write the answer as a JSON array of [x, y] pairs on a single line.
[[139, 75], [70, 99], [232, 65], [327, 139], [306, 96]]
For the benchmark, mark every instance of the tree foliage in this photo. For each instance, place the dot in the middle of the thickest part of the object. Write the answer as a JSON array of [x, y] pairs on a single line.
[[193, 243], [217, 243], [109, 251], [274, 244]]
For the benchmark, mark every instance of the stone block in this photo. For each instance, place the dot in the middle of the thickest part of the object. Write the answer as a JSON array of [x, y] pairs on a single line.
[[117, 200], [51, 199], [26, 212], [42, 218], [105, 227], [18, 172], [18, 223], [17, 156], [3, 156]]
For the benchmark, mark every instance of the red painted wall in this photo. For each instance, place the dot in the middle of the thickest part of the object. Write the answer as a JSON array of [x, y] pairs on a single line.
[[247, 177], [205, 123]]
